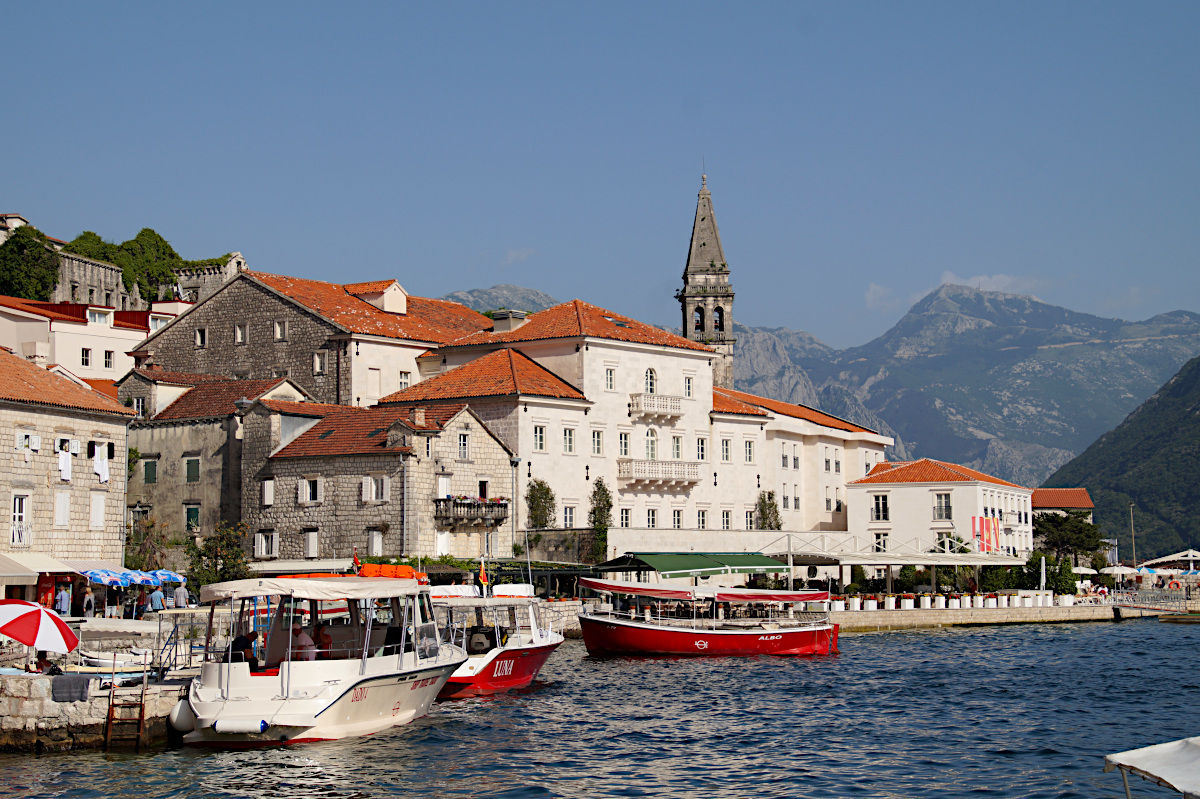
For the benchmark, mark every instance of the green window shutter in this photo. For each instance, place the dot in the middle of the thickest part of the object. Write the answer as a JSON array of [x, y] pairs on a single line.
[[193, 470], [151, 473]]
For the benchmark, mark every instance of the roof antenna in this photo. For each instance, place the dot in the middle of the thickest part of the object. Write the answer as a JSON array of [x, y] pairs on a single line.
[[703, 173]]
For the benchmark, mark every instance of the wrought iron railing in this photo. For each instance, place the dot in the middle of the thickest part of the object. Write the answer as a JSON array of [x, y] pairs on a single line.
[[22, 533]]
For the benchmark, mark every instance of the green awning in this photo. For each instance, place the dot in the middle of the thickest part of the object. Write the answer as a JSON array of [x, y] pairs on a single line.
[[692, 564]]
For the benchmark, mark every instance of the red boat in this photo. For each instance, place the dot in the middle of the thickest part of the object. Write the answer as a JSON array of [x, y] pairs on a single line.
[[505, 642], [708, 622]]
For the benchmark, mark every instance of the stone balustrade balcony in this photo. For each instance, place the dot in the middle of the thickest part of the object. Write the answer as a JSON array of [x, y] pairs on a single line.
[[658, 406], [658, 473], [469, 511]]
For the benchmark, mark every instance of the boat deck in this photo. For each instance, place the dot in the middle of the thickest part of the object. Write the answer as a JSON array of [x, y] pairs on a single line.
[[782, 622]]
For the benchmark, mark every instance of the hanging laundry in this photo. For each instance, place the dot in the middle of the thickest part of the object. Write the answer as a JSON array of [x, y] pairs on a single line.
[[64, 465], [100, 463]]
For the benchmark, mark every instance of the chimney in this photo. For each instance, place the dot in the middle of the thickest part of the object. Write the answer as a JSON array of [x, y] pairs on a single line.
[[506, 321], [36, 352], [419, 417]]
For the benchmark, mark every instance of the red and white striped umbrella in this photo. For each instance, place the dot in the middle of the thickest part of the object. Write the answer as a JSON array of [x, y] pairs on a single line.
[[36, 626]]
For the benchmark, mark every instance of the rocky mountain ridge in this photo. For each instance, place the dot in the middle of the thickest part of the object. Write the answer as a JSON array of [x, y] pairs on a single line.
[[504, 295]]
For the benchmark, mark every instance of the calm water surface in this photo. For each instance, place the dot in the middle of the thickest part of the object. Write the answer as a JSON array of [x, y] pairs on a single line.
[[1022, 711]]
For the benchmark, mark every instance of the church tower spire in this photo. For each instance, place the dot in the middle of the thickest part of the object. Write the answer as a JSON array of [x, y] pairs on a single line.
[[706, 298]]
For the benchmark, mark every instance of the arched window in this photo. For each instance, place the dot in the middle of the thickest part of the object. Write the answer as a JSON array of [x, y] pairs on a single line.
[[719, 319], [698, 320], [651, 445], [651, 382]]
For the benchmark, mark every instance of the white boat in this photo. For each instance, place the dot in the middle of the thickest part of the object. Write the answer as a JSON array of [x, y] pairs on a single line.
[[384, 668], [1174, 765]]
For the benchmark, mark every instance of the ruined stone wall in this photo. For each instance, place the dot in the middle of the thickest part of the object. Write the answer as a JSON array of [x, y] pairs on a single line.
[[82, 279]]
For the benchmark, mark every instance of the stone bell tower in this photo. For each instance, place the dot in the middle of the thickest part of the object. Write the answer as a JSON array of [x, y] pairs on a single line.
[[706, 298]]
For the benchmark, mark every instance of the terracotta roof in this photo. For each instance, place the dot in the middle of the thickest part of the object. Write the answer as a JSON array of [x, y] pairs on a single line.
[[304, 408], [370, 287], [502, 373], [1062, 498], [795, 411], [362, 431], [438, 321], [70, 312], [578, 318], [22, 381], [178, 378], [727, 404], [105, 386], [215, 398], [928, 471]]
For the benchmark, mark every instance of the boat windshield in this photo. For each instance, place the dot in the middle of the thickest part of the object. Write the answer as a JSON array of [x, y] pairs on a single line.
[[427, 632]]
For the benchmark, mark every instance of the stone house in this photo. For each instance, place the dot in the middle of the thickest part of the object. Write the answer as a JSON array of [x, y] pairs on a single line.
[[64, 480], [343, 344], [380, 481]]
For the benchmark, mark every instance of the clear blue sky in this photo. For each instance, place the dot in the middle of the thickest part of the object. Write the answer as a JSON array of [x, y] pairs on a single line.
[[858, 153]]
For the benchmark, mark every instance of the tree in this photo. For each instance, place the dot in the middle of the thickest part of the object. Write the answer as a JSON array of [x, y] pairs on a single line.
[[28, 265], [146, 548], [539, 500], [600, 514], [1069, 535], [147, 259], [766, 512], [220, 556]]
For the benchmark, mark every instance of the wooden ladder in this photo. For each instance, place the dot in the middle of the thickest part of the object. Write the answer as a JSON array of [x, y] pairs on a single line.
[[117, 727]]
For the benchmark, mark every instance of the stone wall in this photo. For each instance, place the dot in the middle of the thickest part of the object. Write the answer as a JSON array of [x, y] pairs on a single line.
[[83, 279], [573, 545]]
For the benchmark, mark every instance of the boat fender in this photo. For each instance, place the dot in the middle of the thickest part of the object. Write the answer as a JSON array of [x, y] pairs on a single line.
[[1174, 585], [240, 725], [182, 718]]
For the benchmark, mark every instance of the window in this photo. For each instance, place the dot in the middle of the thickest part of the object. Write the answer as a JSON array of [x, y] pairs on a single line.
[[149, 472], [191, 518], [139, 406], [98, 502], [828, 501], [881, 542], [827, 459], [281, 330], [568, 516], [677, 519], [309, 490], [624, 517], [785, 501], [597, 442], [702, 519], [97, 317], [319, 360], [108, 359], [701, 449], [62, 508], [239, 333], [837, 465], [795, 458], [22, 527], [941, 508], [726, 450], [796, 497], [405, 380], [867, 467], [623, 445], [749, 520], [192, 466], [879, 512], [568, 441], [85, 357], [651, 517], [687, 387], [375, 488], [266, 544], [837, 500], [610, 379], [651, 445], [312, 542], [464, 446], [749, 452], [726, 519], [651, 382], [429, 446], [676, 447], [539, 438], [279, 371], [785, 457], [268, 492], [202, 337]]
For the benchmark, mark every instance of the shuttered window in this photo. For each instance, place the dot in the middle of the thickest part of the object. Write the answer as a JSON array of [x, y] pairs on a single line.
[[193, 470]]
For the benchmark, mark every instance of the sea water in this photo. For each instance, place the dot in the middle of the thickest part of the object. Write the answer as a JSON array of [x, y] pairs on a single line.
[[1015, 711]]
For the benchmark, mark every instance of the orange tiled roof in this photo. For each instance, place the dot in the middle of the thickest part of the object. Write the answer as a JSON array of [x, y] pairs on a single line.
[[104, 385], [578, 318], [726, 404], [927, 470], [22, 381], [215, 398], [70, 312], [304, 408], [438, 321], [1077, 498], [502, 373], [795, 411], [369, 287], [362, 431], [178, 378]]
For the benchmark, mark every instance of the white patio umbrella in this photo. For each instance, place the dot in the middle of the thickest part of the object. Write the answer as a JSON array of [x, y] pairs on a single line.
[[1119, 571], [1083, 570]]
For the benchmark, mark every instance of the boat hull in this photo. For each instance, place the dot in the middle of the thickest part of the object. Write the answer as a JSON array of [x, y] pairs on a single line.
[[509, 670], [610, 636]]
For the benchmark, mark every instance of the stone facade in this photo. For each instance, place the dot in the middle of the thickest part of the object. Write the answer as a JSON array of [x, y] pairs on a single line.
[[706, 298], [201, 282], [86, 280]]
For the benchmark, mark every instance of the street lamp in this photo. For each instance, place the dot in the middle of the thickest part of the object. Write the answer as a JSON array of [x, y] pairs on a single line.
[[515, 462]]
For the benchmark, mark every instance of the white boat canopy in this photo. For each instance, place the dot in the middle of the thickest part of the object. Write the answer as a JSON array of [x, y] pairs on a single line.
[[687, 592], [484, 601], [1175, 765], [328, 588]]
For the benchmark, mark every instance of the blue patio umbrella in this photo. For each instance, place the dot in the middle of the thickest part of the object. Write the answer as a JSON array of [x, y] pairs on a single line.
[[105, 577], [168, 576], [141, 578]]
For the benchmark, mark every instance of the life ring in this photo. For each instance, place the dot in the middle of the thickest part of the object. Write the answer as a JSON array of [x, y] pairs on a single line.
[[1174, 585]]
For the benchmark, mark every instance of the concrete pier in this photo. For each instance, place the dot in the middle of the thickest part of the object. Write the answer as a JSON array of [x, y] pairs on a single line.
[[853, 621]]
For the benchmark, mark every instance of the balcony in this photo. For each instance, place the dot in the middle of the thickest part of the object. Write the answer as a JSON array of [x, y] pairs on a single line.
[[658, 473], [22, 533], [655, 406], [470, 511]]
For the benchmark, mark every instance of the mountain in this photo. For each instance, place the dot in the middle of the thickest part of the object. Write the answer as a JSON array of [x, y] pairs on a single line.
[[503, 296], [1152, 461], [1004, 383]]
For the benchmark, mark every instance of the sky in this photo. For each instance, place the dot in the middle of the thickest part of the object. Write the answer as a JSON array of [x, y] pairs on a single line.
[[859, 154]]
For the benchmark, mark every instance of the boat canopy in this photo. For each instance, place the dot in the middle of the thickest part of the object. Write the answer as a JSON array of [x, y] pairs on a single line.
[[688, 592], [328, 588], [484, 601], [1175, 764], [693, 564]]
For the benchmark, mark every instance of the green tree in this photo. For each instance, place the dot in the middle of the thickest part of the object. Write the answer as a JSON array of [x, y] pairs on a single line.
[[539, 502], [147, 259], [600, 516], [146, 547], [220, 556], [28, 265], [1069, 535], [766, 512]]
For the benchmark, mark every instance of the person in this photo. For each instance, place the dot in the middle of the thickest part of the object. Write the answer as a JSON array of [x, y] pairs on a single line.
[[303, 647], [112, 602], [181, 597], [323, 641], [242, 650], [139, 608], [62, 601], [89, 603], [158, 600], [43, 665]]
